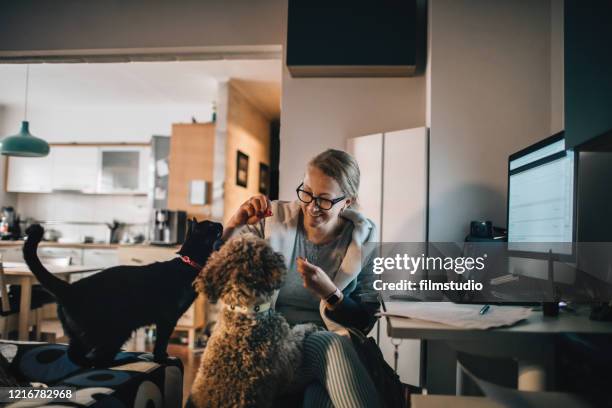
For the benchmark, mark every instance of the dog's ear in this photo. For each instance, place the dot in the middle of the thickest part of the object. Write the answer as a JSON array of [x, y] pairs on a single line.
[[268, 275], [212, 278]]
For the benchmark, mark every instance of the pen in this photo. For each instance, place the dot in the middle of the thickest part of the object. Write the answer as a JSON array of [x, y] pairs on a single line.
[[484, 309]]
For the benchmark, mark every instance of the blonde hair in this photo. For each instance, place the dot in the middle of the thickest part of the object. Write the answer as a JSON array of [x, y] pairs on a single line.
[[343, 168]]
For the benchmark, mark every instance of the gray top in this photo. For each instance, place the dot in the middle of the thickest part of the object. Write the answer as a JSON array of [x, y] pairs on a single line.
[[295, 302]]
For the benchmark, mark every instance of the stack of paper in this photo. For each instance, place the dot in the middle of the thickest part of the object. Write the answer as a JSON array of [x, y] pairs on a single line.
[[458, 315]]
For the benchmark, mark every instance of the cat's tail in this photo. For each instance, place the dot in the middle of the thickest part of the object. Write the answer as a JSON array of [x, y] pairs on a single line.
[[53, 284]]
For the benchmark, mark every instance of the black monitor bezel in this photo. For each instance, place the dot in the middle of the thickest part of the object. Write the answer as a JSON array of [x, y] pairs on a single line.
[[529, 149]]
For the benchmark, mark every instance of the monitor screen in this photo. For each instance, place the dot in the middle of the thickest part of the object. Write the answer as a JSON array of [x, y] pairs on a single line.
[[541, 198]]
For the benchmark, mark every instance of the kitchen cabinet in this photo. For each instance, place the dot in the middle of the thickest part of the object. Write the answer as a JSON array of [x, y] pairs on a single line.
[[145, 254], [29, 175], [75, 254], [104, 258], [85, 168], [12, 254], [66, 159], [123, 170], [192, 157]]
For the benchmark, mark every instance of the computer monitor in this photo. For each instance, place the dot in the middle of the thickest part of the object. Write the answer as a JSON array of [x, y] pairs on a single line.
[[541, 200]]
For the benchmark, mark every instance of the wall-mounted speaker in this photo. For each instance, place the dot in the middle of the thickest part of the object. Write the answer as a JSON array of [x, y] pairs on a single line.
[[359, 38]]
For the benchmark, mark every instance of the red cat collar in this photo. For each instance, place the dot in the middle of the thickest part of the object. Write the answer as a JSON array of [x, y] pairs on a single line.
[[189, 262]]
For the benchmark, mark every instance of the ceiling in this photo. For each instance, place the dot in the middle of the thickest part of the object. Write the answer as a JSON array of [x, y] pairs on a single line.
[[140, 83]]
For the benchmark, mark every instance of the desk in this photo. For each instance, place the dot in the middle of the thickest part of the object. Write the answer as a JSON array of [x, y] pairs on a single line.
[[18, 274], [531, 342]]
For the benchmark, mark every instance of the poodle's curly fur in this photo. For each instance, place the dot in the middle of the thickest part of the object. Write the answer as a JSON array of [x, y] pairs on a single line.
[[250, 358]]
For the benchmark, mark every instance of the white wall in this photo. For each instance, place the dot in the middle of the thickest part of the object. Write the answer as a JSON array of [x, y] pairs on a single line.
[[317, 114], [557, 68], [65, 209], [6, 199], [490, 96]]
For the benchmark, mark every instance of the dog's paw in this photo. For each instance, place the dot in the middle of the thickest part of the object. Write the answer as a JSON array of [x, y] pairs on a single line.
[[310, 328], [35, 232], [305, 329]]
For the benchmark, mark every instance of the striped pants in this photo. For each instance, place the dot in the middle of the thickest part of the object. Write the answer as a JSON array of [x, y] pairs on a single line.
[[333, 374]]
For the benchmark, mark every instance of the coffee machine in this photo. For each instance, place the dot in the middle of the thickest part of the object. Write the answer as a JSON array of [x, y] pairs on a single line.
[[168, 227]]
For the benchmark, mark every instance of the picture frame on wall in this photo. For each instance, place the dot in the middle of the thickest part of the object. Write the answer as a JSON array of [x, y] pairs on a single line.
[[242, 169], [264, 178]]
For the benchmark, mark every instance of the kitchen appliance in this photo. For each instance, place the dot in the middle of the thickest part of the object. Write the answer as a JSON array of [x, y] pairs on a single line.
[[9, 224], [115, 231], [168, 227]]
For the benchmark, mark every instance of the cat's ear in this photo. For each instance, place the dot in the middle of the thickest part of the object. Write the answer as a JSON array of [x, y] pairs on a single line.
[[194, 224], [189, 227]]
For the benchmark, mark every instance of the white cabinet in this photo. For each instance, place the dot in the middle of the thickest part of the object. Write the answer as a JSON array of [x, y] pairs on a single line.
[[75, 168], [393, 193], [104, 258], [123, 170], [368, 150], [88, 169], [29, 174], [48, 253], [12, 254], [404, 200]]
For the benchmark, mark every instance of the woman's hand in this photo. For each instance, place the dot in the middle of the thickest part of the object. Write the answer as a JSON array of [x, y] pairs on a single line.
[[315, 278], [251, 211]]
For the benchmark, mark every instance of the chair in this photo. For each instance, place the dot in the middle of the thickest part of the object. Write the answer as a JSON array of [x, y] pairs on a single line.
[[4, 298], [11, 298], [8, 314], [44, 301]]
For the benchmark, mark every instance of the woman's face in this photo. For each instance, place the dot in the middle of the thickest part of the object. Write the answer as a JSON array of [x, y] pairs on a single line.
[[320, 185]]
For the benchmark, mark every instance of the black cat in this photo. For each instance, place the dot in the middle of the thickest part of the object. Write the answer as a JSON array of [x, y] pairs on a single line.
[[99, 313]]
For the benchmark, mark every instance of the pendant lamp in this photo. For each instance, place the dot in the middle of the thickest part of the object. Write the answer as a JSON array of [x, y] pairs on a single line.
[[24, 144]]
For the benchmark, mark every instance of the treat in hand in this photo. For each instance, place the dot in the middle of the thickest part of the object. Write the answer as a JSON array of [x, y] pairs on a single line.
[[264, 214]]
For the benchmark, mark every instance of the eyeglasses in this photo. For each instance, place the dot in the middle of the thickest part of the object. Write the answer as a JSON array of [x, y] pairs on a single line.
[[322, 203]]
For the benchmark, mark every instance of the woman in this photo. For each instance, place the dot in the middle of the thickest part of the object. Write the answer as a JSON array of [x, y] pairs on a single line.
[[321, 238]]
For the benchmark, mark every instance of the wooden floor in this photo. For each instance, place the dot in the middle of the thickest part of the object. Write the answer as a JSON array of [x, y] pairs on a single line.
[[191, 361]]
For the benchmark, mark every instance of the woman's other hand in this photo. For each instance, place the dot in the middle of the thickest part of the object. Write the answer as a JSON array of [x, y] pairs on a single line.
[[315, 279], [251, 211]]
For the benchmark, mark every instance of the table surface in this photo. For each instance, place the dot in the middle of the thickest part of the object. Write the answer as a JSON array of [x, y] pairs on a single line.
[[536, 324], [21, 269]]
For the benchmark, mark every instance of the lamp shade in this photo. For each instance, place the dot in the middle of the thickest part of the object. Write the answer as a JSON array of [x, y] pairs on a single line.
[[24, 144]]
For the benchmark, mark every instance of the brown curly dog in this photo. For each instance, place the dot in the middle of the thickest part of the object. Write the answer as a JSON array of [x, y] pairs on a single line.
[[252, 354]]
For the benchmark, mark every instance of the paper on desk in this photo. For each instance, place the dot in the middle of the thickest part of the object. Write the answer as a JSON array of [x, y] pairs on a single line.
[[457, 315]]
